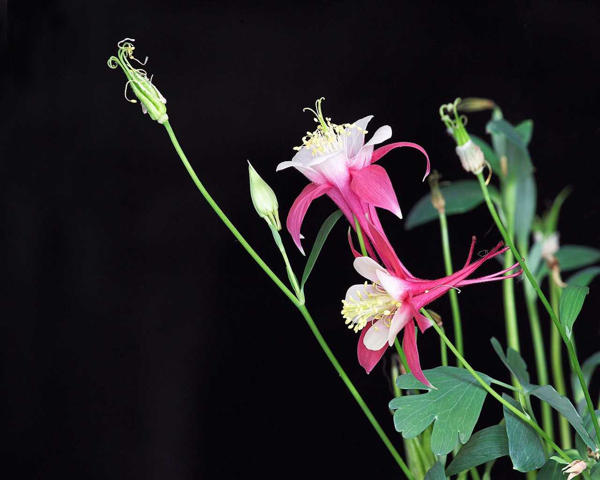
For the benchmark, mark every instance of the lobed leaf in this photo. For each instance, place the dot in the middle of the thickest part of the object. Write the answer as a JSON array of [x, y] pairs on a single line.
[[485, 445], [524, 446], [454, 405]]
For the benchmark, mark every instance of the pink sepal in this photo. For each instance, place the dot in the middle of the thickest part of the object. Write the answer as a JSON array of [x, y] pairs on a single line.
[[380, 152], [299, 208], [368, 358], [373, 186]]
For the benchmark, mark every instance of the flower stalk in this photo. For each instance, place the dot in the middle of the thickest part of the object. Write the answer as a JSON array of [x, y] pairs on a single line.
[[439, 205], [300, 306], [572, 355]]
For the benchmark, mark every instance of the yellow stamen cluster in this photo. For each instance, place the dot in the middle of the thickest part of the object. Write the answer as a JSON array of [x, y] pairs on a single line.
[[369, 306], [328, 137]]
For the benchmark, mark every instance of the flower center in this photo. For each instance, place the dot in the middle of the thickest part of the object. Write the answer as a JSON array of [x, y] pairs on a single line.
[[328, 137], [372, 303]]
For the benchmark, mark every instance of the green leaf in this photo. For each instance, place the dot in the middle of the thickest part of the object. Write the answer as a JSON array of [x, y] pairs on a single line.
[[584, 277], [488, 153], [572, 257], [551, 217], [515, 363], [454, 405], [460, 197], [595, 472], [485, 445], [587, 369], [524, 446], [526, 204], [563, 406], [589, 426], [571, 303], [525, 131], [551, 471], [436, 472], [518, 160], [319, 242]]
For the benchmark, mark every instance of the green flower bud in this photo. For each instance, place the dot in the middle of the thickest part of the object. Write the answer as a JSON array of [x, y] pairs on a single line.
[[151, 100], [264, 199]]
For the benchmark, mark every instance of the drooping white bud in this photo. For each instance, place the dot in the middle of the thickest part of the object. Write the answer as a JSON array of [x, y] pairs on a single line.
[[471, 157]]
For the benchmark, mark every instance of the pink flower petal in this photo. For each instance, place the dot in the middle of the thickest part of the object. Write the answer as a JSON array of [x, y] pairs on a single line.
[[412, 354], [380, 152], [372, 184], [352, 249], [368, 358], [299, 208]]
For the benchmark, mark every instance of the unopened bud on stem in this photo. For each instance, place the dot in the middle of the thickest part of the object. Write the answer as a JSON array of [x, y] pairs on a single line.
[[264, 199], [471, 157], [437, 199]]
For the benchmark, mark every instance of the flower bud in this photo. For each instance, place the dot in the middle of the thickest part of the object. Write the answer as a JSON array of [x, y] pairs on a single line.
[[263, 199], [471, 157], [151, 100]]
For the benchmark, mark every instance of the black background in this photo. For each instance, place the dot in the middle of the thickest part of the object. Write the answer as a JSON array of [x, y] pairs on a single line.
[[139, 339]]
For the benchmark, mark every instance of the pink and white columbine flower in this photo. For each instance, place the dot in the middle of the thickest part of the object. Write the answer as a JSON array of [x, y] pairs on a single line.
[[382, 308], [338, 162]]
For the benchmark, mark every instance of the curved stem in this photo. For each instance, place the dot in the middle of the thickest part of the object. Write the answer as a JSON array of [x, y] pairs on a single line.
[[547, 306], [458, 336], [353, 390], [294, 300], [225, 220], [495, 394]]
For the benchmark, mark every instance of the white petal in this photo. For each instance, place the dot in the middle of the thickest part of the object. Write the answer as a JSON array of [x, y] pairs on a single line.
[[368, 268], [401, 318], [356, 139], [381, 135], [377, 336], [392, 285]]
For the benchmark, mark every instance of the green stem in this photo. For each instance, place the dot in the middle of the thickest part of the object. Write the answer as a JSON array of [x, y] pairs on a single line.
[[508, 285], [458, 336], [294, 300], [495, 394], [444, 350], [361, 240], [572, 355], [401, 355], [540, 353], [353, 390], [558, 374]]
